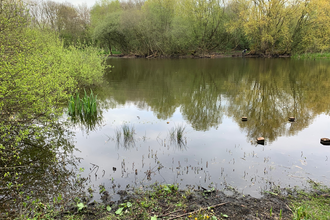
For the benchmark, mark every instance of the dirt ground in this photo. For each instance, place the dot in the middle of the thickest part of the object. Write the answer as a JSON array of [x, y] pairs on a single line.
[[197, 204], [242, 207]]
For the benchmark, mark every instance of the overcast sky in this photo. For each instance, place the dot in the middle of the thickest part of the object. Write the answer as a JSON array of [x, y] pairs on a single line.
[[90, 3]]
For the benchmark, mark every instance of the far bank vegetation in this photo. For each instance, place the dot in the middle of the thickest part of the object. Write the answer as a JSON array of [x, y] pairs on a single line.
[[181, 27]]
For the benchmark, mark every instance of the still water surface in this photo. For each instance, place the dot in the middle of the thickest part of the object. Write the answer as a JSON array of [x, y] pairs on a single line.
[[208, 97]]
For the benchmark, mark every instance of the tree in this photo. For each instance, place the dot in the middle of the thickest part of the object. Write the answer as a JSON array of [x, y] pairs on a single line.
[[157, 25], [71, 22], [37, 74], [311, 34], [105, 17], [266, 24], [207, 19], [108, 33]]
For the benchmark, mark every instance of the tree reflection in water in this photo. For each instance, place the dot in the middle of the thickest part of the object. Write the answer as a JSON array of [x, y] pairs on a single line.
[[267, 91], [41, 170]]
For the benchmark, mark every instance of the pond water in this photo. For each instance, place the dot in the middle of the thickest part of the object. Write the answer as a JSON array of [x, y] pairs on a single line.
[[207, 98]]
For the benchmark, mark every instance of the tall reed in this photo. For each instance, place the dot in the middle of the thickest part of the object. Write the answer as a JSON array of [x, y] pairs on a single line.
[[85, 106]]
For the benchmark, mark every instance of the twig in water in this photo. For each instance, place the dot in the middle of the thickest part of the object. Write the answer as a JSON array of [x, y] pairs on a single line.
[[95, 167]]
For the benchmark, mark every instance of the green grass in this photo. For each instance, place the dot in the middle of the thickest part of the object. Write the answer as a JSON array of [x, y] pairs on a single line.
[[325, 55], [311, 205]]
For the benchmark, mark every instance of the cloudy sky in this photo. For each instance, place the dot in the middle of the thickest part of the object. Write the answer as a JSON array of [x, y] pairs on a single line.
[[90, 3]]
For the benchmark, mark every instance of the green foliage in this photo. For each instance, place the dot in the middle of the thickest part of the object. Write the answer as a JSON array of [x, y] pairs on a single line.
[[101, 189], [160, 27], [168, 189], [120, 211], [185, 26], [123, 207], [108, 33], [180, 27], [37, 75], [80, 206], [84, 64]]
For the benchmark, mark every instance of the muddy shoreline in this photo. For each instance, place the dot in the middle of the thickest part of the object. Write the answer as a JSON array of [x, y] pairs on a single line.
[[168, 202]]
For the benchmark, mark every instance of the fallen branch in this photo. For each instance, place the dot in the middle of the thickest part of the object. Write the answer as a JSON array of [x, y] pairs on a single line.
[[289, 208], [189, 213], [169, 213]]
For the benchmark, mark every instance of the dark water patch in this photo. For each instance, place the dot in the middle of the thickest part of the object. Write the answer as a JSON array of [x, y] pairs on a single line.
[[40, 170]]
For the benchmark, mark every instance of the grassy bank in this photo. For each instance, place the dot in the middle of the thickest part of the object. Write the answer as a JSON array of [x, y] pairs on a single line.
[[313, 204], [312, 56]]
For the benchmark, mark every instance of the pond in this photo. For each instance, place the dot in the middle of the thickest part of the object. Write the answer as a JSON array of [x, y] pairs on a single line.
[[206, 99]]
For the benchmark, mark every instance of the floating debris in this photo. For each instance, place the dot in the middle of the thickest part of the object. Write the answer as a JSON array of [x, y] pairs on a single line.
[[261, 140], [168, 122], [325, 141], [244, 118], [292, 119], [114, 169]]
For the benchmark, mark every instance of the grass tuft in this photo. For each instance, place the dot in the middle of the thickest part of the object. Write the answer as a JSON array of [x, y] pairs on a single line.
[[177, 135]]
